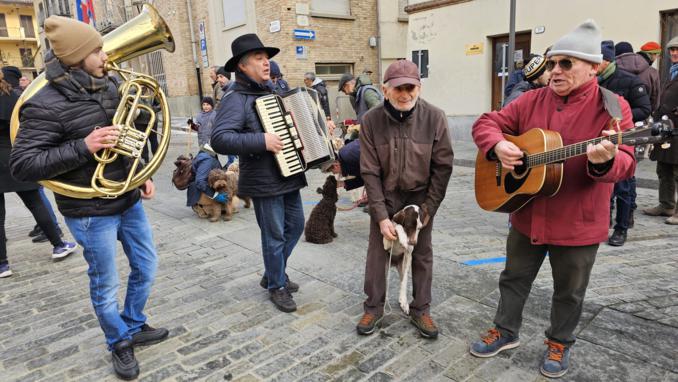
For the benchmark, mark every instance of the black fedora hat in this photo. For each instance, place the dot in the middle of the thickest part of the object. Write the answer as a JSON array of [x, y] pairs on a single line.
[[244, 44]]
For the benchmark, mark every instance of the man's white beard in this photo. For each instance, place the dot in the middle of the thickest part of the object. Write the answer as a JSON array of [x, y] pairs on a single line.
[[414, 102]]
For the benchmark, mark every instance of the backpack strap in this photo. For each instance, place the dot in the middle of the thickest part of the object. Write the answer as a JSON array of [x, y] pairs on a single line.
[[611, 103]]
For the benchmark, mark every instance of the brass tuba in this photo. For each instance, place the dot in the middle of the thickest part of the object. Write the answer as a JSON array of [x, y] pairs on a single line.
[[145, 33]]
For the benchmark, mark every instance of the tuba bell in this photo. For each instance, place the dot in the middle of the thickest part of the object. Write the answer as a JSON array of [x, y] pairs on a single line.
[[145, 33]]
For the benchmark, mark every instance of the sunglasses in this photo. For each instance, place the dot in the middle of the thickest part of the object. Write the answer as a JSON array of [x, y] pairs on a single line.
[[565, 64]]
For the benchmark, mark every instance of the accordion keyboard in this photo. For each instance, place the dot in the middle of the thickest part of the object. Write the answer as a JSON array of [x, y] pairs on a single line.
[[274, 119]]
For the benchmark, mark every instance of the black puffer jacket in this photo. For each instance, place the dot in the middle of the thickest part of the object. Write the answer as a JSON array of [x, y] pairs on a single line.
[[237, 130], [633, 90], [50, 145]]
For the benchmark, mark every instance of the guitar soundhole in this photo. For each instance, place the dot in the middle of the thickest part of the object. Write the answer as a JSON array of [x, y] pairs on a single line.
[[513, 182]]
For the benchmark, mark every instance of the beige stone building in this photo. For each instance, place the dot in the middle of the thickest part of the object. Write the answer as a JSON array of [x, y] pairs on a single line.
[[18, 36], [462, 40], [348, 36]]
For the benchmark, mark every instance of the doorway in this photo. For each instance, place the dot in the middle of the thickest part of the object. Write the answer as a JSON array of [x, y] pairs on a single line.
[[669, 29], [500, 59]]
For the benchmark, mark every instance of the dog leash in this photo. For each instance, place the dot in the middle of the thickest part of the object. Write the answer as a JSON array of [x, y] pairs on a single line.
[[387, 305]]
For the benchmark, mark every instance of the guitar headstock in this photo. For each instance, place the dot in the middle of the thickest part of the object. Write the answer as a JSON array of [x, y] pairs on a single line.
[[650, 131]]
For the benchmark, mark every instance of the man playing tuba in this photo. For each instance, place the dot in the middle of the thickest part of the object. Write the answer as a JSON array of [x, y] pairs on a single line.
[[62, 126]]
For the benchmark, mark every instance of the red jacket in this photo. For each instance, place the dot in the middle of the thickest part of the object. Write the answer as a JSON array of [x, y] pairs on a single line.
[[578, 214]]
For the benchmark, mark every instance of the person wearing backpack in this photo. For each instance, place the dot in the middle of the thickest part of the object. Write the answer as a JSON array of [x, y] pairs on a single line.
[[363, 93], [203, 163]]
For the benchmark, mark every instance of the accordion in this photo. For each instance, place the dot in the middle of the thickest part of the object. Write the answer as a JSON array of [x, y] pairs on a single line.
[[298, 119]]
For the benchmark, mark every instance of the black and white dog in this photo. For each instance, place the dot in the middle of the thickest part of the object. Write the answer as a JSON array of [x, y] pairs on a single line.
[[408, 222]]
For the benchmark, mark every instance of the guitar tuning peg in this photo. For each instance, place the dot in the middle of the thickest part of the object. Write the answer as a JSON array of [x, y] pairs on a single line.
[[665, 117], [640, 124], [666, 145]]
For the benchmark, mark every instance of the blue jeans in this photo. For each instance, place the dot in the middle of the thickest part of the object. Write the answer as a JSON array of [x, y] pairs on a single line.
[[98, 236], [625, 195], [281, 220]]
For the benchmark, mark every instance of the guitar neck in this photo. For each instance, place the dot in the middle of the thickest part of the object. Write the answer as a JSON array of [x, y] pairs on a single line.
[[569, 151]]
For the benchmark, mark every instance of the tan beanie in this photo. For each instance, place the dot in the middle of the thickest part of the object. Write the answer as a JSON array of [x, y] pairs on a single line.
[[71, 40]]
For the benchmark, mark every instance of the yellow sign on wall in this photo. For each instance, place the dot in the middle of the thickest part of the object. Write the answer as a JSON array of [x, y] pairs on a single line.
[[472, 49]]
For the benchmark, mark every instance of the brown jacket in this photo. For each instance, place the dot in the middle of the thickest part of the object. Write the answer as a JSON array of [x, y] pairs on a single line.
[[400, 157]]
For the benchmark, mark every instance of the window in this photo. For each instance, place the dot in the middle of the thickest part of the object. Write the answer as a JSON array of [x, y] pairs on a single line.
[[331, 7], [3, 26], [420, 57], [332, 71], [41, 14], [64, 7], [26, 58], [27, 24], [234, 13]]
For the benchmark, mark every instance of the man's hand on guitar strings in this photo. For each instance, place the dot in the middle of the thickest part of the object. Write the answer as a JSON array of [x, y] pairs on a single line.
[[603, 151], [509, 154]]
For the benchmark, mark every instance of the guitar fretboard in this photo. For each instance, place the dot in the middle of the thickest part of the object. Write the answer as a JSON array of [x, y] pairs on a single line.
[[569, 151]]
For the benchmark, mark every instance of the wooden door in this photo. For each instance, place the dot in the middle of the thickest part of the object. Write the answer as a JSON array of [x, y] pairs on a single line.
[[669, 29], [522, 52]]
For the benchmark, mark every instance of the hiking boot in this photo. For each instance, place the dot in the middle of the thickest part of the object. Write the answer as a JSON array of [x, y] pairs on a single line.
[[149, 336], [631, 220], [42, 237], [368, 323], [427, 328], [5, 271], [658, 211], [63, 250], [492, 343], [618, 238], [35, 231], [290, 285], [124, 362], [673, 220], [556, 360], [282, 299]]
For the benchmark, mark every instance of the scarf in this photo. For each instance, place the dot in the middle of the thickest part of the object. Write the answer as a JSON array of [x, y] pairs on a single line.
[[74, 79], [607, 72], [398, 115], [673, 71]]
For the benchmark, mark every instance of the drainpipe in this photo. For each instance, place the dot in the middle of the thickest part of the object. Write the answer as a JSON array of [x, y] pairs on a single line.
[[378, 45], [195, 55]]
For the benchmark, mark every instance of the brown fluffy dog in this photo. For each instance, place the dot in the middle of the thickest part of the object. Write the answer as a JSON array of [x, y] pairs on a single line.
[[320, 225], [220, 181], [235, 167]]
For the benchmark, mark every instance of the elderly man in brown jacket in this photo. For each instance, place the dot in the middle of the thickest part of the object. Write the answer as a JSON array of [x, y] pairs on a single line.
[[406, 158]]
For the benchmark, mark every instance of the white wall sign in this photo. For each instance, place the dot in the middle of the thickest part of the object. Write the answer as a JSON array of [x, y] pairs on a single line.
[[275, 26], [203, 44], [539, 30], [302, 52], [302, 9], [302, 21]]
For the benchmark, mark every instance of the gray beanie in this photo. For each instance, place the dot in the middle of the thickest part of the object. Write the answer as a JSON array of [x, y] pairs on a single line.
[[582, 43], [673, 43]]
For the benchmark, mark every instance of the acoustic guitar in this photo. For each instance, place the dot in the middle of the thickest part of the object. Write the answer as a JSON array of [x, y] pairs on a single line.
[[541, 172]]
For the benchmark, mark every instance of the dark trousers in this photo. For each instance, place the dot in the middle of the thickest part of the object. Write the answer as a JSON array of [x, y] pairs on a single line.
[[668, 178], [33, 202], [571, 268], [377, 259], [625, 196]]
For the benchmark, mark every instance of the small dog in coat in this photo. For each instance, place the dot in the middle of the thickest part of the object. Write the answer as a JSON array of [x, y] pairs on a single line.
[[320, 225], [220, 181], [408, 222]]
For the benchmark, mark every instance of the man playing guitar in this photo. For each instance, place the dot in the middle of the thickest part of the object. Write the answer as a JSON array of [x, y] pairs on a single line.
[[570, 224]]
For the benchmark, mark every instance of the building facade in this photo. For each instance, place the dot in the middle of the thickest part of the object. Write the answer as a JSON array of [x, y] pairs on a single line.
[[18, 36], [464, 56]]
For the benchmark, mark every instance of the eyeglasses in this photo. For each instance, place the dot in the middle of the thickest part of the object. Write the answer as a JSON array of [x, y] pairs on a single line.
[[565, 64]]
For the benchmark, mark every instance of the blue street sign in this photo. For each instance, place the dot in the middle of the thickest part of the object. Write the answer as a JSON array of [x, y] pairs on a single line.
[[304, 34]]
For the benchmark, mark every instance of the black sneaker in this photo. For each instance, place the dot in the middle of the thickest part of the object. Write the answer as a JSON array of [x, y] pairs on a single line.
[[290, 285], [149, 336], [35, 231], [283, 300], [124, 362]]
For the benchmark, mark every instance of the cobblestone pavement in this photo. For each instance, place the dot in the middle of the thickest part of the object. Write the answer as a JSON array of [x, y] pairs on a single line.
[[224, 328]]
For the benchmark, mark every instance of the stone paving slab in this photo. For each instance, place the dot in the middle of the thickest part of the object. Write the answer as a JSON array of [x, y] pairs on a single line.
[[222, 326]]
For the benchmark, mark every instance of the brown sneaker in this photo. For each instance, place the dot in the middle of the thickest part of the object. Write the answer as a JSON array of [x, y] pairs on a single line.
[[658, 211], [427, 328], [368, 323], [673, 220]]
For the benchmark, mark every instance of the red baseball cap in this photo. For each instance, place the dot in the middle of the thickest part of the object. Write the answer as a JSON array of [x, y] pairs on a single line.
[[402, 72], [651, 47]]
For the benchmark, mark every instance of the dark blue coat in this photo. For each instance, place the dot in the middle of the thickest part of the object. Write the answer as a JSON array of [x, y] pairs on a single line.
[[629, 86], [202, 164], [349, 158], [237, 130]]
